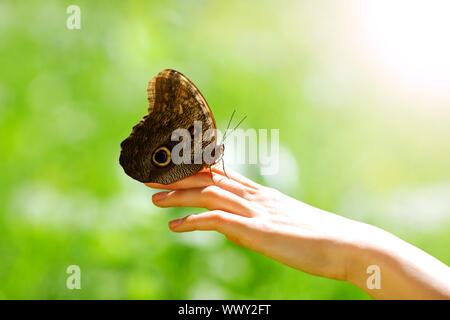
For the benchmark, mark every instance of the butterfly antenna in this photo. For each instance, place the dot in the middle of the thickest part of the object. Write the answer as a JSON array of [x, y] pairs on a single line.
[[245, 117], [225, 135], [228, 126]]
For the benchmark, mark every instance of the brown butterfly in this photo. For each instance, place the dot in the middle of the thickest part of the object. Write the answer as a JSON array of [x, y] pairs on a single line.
[[174, 103]]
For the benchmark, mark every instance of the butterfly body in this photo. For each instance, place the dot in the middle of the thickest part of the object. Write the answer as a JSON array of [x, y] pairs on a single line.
[[174, 103]]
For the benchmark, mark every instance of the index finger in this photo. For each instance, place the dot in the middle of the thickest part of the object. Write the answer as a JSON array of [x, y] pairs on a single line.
[[198, 180], [203, 178]]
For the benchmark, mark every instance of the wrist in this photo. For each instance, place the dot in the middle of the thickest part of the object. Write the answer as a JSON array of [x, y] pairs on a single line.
[[367, 255], [386, 267]]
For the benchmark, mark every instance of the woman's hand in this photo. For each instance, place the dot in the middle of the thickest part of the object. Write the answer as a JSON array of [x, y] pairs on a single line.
[[296, 234], [263, 220]]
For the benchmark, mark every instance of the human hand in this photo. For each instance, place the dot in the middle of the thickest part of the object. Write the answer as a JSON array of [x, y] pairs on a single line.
[[304, 237], [263, 220]]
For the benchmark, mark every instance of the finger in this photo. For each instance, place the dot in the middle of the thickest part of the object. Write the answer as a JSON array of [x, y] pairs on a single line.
[[233, 186], [223, 222], [198, 180], [210, 197], [204, 179], [235, 176]]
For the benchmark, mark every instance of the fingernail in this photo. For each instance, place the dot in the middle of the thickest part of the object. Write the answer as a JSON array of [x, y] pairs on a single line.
[[175, 223], [160, 196]]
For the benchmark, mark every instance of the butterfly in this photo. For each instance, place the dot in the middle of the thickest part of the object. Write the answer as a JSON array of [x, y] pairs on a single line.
[[147, 154]]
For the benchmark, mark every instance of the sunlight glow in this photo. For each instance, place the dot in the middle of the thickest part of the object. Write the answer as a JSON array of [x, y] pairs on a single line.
[[411, 39]]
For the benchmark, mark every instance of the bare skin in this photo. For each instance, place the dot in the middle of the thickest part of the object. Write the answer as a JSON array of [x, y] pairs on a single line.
[[304, 237]]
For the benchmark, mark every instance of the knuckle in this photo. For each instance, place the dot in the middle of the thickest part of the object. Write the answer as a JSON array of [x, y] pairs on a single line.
[[190, 218], [249, 194], [211, 191], [218, 220], [216, 216], [219, 179]]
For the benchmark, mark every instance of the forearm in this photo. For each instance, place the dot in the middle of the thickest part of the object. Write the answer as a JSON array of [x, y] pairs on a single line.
[[406, 272]]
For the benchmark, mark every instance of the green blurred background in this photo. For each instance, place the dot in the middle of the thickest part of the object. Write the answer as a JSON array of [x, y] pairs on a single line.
[[360, 91]]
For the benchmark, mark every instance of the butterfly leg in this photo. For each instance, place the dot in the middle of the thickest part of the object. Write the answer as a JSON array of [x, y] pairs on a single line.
[[212, 177], [223, 167]]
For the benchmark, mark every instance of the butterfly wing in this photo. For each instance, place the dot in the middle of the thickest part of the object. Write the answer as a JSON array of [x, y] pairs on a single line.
[[171, 88], [174, 102]]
